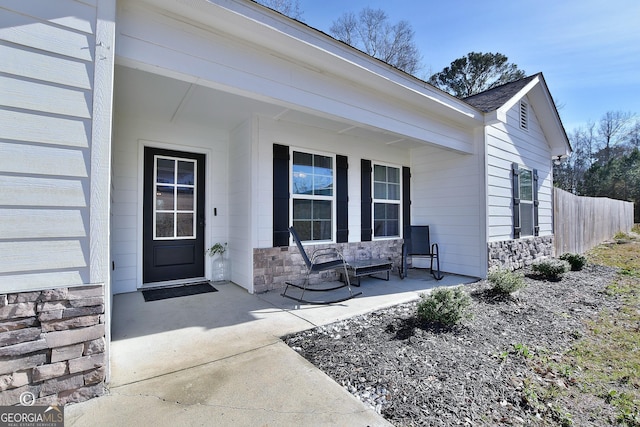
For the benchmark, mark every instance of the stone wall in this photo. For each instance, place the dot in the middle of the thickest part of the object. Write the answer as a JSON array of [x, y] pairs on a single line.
[[52, 344], [515, 254], [272, 267]]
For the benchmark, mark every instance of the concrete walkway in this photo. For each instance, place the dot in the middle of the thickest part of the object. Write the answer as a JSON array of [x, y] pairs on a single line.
[[217, 359]]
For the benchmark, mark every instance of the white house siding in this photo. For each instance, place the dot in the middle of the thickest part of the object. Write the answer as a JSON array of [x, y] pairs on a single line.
[[55, 131], [46, 105], [507, 143], [447, 195], [131, 134]]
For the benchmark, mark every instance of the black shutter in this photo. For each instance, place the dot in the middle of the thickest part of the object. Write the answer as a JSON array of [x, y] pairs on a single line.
[[516, 199], [406, 197], [536, 226], [342, 199], [366, 201], [280, 195]]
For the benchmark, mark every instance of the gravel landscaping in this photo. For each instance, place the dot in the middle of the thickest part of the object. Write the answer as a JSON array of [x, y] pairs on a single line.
[[485, 372]]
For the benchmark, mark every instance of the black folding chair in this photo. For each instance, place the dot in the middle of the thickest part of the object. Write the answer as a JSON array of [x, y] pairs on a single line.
[[323, 259], [417, 244]]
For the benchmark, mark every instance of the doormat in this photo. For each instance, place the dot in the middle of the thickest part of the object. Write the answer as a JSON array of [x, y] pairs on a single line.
[[177, 291]]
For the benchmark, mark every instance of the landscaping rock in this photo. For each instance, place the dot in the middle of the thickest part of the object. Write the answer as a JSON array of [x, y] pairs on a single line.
[[418, 374]]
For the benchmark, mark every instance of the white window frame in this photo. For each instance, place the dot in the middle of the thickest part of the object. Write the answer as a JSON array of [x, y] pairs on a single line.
[[528, 203], [375, 200], [331, 198], [175, 209]]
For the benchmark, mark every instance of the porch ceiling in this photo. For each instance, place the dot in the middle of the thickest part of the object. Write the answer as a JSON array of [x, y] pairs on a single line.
[[151, 96]]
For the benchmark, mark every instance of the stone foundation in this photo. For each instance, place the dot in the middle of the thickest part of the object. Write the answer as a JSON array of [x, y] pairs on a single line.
[[52, 344], [516, 254], [272, 267]]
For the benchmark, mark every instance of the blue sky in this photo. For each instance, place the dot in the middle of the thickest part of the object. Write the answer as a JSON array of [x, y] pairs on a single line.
[[588, 50]]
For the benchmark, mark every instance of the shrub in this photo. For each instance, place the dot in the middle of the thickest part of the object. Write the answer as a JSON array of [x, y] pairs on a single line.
[[445, 306], [576, 261], [551, 269], [504, 281], [621, 237]]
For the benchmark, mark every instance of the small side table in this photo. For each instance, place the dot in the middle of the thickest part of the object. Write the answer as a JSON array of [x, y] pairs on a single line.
[[369, 267]]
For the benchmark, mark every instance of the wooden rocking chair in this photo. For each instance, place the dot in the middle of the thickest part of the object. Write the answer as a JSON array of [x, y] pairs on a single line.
[[321, 260]]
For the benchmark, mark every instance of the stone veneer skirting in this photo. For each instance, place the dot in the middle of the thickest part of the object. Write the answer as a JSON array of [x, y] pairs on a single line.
[[515, 254], [52, 344], [272, 267]]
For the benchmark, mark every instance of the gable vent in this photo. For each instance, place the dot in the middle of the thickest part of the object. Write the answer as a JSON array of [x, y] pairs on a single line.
[[524, 115]]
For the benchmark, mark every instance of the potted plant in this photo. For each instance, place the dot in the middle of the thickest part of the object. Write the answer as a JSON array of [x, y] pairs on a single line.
[[220, 269]]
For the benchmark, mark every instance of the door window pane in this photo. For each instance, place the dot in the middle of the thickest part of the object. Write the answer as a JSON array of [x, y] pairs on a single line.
[[164, 225], [186, 199], [165, 171], [186, 171], [164, 198], [174, 198], [185, 224]]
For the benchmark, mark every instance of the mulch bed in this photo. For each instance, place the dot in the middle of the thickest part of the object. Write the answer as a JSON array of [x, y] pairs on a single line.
[[474, 374]]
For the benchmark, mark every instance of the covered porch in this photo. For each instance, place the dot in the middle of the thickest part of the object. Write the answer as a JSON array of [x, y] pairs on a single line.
[[229, 95], [218, 358], [151, 339]]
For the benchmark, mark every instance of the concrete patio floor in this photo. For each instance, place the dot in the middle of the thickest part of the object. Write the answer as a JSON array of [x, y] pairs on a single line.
[[217, 358]]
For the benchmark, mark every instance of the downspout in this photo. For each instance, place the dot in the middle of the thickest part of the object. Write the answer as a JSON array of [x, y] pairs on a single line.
[[484, 202]]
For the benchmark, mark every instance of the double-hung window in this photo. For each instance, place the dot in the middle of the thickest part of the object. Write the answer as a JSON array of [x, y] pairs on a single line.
[[526, 202], [387, 197], [313, 195]]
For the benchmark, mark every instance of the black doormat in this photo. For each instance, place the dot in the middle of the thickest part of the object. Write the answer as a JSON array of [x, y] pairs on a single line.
[[177, 291]]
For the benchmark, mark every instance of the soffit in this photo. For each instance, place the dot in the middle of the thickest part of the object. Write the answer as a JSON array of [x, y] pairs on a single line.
[[148, 96]]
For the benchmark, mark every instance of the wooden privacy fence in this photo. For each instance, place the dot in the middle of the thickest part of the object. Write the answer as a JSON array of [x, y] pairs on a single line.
[[581, 223]]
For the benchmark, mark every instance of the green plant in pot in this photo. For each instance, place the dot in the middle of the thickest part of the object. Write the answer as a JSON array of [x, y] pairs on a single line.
[[218, 248], [220, 268]]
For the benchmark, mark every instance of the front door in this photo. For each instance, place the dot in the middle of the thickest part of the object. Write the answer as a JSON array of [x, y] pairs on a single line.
[[173, 215]]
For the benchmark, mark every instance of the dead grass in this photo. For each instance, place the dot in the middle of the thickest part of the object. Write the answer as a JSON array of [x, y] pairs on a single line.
[[605, 363]]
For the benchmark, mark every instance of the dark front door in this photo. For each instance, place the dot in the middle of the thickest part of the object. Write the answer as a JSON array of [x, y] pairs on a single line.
[[173, 215]]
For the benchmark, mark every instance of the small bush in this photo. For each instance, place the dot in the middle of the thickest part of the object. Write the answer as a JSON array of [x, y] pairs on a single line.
[[445, 306], [551, 269], [504, 281], [621, 237], [576, 261]]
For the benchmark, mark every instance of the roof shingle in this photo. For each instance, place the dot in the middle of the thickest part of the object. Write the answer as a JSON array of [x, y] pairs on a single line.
[[492, 99]]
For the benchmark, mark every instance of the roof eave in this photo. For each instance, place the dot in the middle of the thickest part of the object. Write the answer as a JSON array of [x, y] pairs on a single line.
[[546, 110], [314, 49]]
